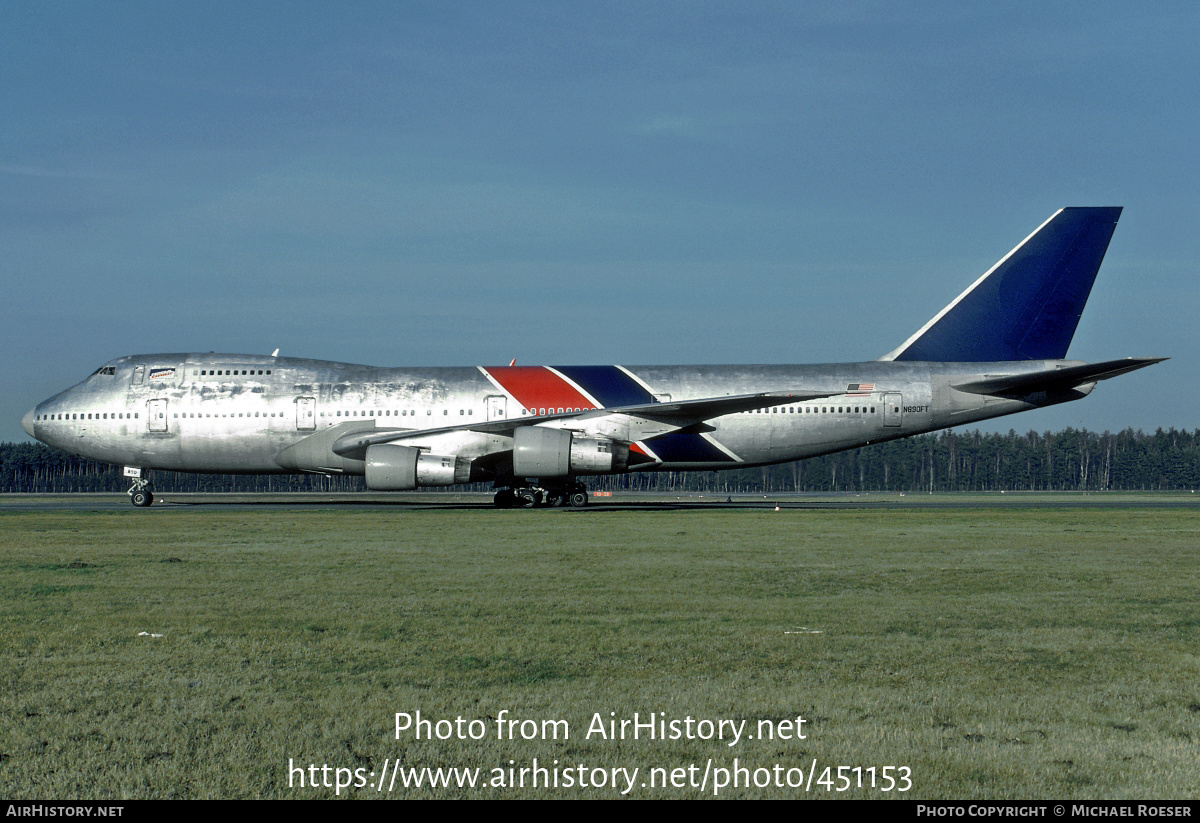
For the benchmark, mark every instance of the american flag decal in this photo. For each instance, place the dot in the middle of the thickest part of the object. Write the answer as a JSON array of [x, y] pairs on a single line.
[[859, 389]]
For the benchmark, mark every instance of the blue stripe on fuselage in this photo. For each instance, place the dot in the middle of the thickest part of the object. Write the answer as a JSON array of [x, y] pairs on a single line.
[[686, 447], [609, 385]]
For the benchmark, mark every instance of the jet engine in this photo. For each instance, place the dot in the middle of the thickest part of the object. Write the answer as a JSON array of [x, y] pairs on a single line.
[[392, 467], [542, 452]]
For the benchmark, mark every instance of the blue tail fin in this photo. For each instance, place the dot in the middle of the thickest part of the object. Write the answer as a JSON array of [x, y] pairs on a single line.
[[1026, 307]]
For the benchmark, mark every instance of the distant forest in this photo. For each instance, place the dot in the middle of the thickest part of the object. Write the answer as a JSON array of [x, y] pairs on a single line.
[[1069, 460]]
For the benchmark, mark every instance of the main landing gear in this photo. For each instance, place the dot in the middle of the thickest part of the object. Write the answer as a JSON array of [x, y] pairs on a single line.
[[572, 494]]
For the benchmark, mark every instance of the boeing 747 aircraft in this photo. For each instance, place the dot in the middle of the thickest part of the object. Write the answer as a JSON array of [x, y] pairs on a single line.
[[534, 431]]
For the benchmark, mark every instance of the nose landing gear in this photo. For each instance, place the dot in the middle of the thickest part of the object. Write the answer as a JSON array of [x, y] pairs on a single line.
[[141, 493]]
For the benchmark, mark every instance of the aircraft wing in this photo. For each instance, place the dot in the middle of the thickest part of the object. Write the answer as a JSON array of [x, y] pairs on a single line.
[[1052, 379], [694, 411], [661, 418]]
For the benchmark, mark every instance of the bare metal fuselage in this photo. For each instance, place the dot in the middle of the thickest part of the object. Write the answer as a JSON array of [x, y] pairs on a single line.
[[256, 414]]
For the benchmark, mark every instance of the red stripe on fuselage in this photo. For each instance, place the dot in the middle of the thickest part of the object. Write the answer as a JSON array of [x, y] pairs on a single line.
[[536, 387]]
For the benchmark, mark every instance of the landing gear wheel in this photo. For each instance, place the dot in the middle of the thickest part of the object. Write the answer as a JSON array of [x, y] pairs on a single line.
[[141, 493], [528, 497]]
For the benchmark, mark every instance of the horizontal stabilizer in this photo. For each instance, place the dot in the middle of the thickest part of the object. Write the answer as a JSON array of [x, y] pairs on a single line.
[[1027, 306], [1052, 379]]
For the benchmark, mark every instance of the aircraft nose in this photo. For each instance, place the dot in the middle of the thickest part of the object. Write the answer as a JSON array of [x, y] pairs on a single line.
[[27, 422]]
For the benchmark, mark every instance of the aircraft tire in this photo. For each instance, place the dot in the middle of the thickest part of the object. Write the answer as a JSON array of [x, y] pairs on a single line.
[[578, 499], [141, 498]]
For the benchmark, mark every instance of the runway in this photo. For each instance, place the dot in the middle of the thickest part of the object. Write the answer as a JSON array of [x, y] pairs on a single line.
[[620, 501]]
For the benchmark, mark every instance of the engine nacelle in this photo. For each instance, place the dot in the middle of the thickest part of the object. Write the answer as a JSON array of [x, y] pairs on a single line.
[[392, 467], [542, 452]]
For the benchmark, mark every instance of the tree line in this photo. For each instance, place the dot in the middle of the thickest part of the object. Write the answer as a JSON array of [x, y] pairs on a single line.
[[1068, 460]]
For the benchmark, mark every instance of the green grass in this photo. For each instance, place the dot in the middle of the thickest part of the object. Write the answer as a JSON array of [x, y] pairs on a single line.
[[996, 653]]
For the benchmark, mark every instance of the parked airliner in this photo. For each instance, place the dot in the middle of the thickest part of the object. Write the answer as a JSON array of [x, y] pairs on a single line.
[[533, 431]]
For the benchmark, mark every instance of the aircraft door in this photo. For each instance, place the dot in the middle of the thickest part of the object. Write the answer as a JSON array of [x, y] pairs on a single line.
[[893, 408], [497, 407], [306, 414], [158, 415]]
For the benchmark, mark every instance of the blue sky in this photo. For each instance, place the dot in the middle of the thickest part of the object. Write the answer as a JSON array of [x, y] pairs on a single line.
[[465, 183]]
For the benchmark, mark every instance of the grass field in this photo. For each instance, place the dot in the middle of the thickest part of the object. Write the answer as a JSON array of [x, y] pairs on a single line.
[[994, 653]]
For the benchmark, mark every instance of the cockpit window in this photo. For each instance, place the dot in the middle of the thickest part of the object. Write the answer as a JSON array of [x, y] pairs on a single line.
[[105, 370]]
